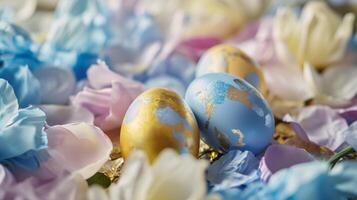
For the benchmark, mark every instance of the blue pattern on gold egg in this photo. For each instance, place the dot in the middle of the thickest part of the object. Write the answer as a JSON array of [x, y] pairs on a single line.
[[159, 119], [231, 113]]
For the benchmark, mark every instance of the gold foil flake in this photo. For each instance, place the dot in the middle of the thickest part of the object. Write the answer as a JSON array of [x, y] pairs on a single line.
[[208, 153], [240, 141], [239, 95], [112, 169]]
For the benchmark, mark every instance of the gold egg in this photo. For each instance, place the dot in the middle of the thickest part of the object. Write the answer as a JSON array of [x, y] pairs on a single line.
[[230, 59], [158, 119]]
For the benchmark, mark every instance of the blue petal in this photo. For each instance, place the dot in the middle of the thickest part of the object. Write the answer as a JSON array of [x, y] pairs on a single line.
[[305, 181], [137, 32], [8, 103], [29, 161], [23, 133], [175, 65], [233, 169], [344, 176], [78, 33], [24, 83], [14, 40]]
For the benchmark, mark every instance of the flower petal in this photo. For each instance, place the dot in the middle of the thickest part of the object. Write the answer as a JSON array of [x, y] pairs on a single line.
[[277, 76], [233, 169], [278, 156], [23, 134], [60, 115], [56, 84], [8, 103], [323, 125], [83, 147], [351, 135]]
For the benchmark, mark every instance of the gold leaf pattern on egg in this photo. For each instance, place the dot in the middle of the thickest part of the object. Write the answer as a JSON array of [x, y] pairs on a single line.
[[237, 63], [239, 95], [239, 133], [148, 133]]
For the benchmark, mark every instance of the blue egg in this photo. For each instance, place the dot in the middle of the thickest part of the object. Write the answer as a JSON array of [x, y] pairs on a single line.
[[231, 113]]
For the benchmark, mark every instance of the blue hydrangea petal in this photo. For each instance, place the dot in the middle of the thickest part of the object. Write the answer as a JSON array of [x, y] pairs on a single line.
[[23, 133], [24, 83], [345, 176], [234, 169], [8, 103], [14, 40]]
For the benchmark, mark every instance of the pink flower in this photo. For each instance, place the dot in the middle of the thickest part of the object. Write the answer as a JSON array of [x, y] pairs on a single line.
[[108, 96]]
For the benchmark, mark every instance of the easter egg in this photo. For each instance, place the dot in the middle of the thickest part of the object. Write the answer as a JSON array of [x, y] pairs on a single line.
[[229, 59], [158, 119], [231, 113]]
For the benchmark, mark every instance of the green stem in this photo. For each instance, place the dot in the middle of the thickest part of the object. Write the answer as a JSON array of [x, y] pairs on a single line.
[[335, 158]]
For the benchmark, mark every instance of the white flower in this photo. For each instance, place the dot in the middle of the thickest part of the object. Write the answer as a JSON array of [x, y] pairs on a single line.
[[172, 176], [318, 37], [336, 86], [220, 18]]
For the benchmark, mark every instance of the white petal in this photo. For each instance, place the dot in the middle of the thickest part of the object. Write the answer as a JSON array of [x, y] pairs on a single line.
[[287, 82], [341, 82], [178, 177], [135, 179]]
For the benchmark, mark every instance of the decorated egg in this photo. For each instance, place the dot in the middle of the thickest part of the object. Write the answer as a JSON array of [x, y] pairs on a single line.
[[229, 59], [158, 119], [231, 113]]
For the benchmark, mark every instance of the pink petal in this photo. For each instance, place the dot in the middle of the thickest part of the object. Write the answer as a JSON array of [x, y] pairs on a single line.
[[279, 156], [194, 47], [322, 125], [110, 98], [59, 115], [79, 147]]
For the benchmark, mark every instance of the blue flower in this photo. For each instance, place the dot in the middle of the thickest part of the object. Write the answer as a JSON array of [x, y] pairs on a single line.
[[16, 47], [78, 33], [137, 31], [21, 131], [234, 169], [311, 180], [14, 40], [24, 83]]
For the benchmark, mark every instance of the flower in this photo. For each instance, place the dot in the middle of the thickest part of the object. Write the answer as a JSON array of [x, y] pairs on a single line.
[[319, 37], [24, 83], [61, 114], [107, 96], [76, 36], [311, 180], [321, 124], [351, 135], [21, 131], [278, 156], [79, 147], [172, 176], [334, 86], [48, 185], [57, 84], [233, 169], [228, 15]]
